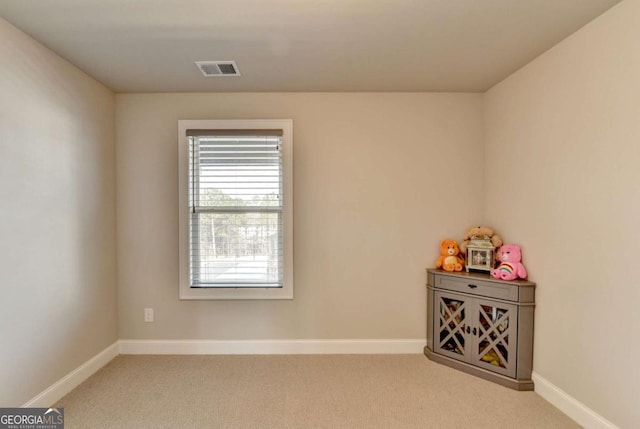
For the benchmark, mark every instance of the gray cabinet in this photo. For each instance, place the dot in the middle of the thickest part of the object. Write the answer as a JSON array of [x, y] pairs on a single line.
[[481, 325]]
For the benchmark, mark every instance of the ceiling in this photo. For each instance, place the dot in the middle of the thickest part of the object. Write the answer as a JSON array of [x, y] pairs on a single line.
[[301, 45]]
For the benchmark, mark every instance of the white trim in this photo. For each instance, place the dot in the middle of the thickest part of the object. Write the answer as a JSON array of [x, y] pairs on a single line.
[[69, 382], [259, 347], [186, 291], [575, 409]]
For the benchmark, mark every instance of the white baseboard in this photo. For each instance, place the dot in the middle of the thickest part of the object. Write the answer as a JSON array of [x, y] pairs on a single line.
[[234, 347], [575, 409], [67, 383]]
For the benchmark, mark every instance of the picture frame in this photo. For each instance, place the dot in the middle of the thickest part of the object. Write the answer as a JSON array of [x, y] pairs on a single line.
[[480, 256]]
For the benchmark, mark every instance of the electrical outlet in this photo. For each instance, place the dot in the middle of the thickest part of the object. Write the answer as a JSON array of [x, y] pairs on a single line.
[[148, 314]]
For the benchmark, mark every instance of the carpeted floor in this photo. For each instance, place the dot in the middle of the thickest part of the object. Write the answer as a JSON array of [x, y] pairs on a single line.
[[304, 391]]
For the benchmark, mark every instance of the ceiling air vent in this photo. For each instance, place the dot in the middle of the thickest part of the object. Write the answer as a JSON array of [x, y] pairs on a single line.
[[218, 68]]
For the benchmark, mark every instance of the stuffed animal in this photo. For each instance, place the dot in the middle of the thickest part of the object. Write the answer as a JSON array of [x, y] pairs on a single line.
[[449, 259], [480, 232], [510, 267]]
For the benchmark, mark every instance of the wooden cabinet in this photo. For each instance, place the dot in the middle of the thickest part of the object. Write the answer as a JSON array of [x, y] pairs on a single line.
[[481, 326]]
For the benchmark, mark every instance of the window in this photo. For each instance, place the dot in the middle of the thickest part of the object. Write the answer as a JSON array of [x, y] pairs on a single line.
[[236, 209]]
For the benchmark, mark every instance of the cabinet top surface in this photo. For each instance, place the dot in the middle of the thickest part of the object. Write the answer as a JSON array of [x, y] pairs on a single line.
[[480, 276]]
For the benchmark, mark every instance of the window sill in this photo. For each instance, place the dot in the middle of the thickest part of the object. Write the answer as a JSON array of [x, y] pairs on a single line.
[[244, 293]]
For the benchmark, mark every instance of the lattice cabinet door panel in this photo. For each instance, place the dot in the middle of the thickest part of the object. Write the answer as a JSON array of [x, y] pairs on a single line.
[[494, 347], [452, 319]]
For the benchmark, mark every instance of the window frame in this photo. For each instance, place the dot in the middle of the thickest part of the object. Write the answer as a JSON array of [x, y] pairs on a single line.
[[235, 293]]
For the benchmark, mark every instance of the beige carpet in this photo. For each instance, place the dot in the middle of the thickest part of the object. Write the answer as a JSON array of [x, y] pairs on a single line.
[[306, 391]]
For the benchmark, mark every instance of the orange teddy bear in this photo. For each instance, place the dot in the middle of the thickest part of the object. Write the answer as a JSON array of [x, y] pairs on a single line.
[[449, 259]]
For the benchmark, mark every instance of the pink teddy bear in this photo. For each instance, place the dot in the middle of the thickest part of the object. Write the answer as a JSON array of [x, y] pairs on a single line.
[[510, 267]]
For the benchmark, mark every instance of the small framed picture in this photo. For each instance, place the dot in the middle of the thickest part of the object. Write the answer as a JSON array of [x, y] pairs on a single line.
[[479, 257]]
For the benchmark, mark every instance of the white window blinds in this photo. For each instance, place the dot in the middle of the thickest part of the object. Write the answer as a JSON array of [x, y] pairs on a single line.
[[236, 208]]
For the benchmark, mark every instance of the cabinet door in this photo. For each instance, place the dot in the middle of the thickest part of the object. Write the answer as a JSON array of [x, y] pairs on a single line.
[[451, 316], [494, 347]]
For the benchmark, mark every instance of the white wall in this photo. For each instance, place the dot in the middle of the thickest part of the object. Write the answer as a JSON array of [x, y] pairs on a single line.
[[563, 180], [379, 180], [57, 219]]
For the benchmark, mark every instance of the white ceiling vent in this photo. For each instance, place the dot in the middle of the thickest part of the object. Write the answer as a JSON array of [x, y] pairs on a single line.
[[218, 68]]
